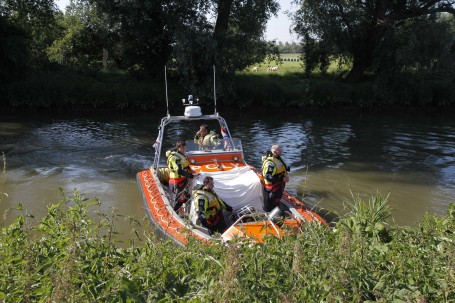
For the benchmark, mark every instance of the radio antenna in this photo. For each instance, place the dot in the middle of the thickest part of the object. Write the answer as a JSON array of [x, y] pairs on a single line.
[[165, 81], [214, 87]]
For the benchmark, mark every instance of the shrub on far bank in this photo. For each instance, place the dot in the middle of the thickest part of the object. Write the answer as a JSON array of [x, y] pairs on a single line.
[[69, 90], [294, 91], [63, 89]]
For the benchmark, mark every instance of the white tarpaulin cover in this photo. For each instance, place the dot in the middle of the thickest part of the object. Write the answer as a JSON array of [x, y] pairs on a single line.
[[237, 187]]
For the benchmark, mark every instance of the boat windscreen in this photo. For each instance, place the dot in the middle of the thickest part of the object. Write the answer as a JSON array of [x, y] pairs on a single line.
[[219, 146]]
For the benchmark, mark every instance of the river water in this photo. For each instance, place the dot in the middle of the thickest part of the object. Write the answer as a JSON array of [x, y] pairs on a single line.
[[410, 156]]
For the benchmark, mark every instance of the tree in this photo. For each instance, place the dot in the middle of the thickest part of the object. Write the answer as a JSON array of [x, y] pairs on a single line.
[[13, 51], [239, 36], [286, 48], [86, 34], [233, 43], [354, 29], [145, 30], [426, 44], [146, 35], [37, 20]]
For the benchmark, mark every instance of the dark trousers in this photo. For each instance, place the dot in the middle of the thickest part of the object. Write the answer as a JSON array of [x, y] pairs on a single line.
[[217, 224], [180, 193], [273, 195]]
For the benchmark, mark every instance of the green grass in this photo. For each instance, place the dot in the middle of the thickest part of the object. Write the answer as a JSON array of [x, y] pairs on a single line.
[[285, 68], [72, 256], [293, 67]]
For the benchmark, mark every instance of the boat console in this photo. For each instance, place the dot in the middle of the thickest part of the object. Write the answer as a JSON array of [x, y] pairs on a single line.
[[225, 151]]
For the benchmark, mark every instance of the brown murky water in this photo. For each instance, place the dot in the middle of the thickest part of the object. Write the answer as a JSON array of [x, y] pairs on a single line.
[[410, 156]]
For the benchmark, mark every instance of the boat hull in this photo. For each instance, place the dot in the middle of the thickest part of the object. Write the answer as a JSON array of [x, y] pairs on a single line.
[[167, 223]]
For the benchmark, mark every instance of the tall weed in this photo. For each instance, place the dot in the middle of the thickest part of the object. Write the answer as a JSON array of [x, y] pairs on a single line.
[[72, 256]]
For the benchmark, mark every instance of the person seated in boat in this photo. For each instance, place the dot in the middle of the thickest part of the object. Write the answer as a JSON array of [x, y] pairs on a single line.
[[179, 173], [206, 138], [275, 173], [209, 207]]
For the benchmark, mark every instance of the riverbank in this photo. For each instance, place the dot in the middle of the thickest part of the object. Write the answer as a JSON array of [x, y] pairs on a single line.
[[66, 90], [70, 254]]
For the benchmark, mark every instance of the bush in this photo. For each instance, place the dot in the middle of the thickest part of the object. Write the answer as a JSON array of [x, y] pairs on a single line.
[[69, 90], [72, 255], [60, 88]]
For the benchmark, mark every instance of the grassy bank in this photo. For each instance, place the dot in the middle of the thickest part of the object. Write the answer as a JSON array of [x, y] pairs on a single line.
[[287, 87], [71, 256]]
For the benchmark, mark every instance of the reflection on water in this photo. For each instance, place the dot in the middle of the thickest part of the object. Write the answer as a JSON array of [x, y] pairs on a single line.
[[412, 157]]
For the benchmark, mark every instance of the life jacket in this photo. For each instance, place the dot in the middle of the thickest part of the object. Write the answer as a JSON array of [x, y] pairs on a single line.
[[279, 166], [172, 157], [212, 203], [209, 140]]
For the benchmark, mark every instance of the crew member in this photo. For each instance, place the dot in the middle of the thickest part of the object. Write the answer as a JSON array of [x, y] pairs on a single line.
[[206, 138], [179, 173], [275, 173], [209, 207]]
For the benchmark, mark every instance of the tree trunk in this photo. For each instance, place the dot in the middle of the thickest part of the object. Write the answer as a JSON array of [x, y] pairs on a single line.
[[360, 63], [105, 57], [363, 52], [222, 19], [219, 35]]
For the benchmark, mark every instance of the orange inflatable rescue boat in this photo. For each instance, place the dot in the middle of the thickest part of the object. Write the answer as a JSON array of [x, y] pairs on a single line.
[[240, 185]]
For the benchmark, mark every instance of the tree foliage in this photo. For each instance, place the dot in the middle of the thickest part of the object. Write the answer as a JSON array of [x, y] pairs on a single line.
[[288, 47], [356, 29], [142, 31], [27, 28], [86, 33], [141, 37], [13, 50], [233, 43], [426, 44]]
